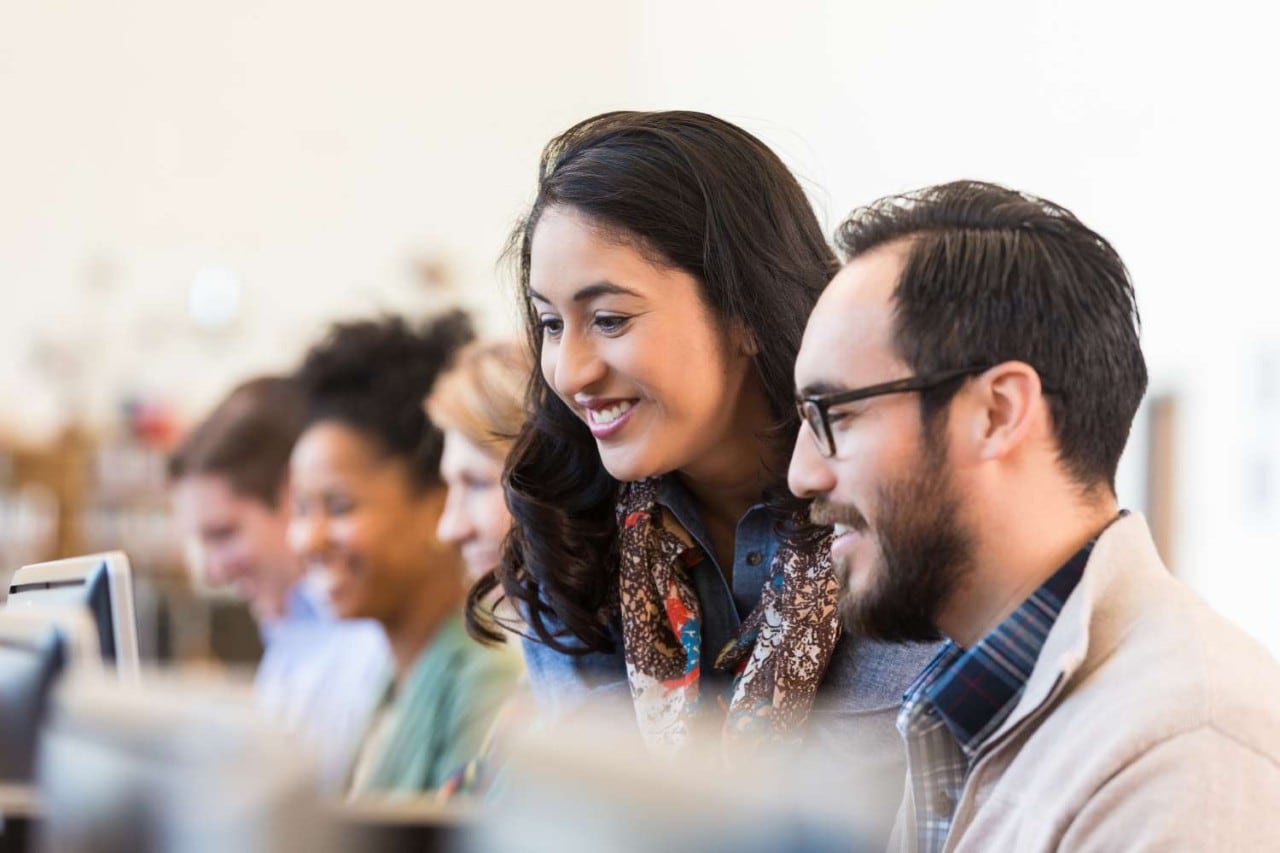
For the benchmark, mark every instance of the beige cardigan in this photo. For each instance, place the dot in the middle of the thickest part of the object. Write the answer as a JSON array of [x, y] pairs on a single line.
[[1148, 723]]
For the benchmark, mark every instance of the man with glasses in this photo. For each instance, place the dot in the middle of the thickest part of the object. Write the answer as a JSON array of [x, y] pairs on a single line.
[[967, 384]]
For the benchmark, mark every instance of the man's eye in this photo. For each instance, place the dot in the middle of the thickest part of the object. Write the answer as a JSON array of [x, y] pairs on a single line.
[[611, 324], [551, 326]]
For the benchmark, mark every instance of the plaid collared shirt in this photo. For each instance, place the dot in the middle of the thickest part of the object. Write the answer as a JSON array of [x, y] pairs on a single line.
[[962, 697]]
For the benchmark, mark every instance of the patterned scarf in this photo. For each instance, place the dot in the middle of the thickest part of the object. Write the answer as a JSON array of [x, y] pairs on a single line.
[[778, 658]]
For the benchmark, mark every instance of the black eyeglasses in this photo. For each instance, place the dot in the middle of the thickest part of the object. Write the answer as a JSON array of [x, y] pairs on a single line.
[[814, 408]]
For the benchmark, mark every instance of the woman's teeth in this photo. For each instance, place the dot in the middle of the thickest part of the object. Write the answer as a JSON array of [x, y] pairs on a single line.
[[603, 417]]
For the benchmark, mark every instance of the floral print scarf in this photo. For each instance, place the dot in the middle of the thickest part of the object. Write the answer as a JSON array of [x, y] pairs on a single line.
[[778, 658]]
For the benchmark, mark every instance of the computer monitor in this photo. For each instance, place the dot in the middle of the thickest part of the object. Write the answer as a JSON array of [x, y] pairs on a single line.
[[32, 654], [100, 583]]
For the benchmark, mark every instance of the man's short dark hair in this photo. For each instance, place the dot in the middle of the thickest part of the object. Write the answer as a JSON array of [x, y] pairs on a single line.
[[247, 439], [997, 275]]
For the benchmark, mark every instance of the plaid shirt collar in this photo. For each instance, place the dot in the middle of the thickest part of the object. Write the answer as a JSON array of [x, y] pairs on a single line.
[[974, 691], [963, 696]]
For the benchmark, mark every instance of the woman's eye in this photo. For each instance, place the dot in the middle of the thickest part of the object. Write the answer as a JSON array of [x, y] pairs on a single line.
[[611, 324], [339, 506], [551, 326]]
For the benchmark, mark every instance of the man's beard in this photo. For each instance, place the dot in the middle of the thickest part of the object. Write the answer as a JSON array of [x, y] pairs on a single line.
[[925, 553]]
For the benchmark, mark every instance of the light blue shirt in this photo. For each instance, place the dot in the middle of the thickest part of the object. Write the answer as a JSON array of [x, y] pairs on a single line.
[[321, 677]]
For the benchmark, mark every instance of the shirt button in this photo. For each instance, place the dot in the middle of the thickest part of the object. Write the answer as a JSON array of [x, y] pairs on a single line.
[[755, 558]]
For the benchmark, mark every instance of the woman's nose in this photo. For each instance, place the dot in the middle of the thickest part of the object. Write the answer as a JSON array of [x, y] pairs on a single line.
[[576, 366]]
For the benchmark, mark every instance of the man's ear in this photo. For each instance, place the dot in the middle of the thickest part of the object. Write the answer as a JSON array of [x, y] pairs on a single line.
[[1008, 400]]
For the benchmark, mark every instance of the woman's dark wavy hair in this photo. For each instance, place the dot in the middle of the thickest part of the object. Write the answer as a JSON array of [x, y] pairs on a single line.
[[372, 375], [695, 193]]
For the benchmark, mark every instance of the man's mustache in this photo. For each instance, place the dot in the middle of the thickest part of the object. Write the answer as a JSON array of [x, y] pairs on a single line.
[[827, 513]]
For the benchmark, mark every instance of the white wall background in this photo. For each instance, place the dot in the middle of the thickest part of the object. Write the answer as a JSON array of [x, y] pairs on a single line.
[[318, 149]]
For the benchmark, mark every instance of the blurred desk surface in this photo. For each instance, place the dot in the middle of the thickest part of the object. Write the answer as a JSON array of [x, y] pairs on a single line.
[[20, 801], [394, 824], [424, 809], [386, 825], [19, 809]]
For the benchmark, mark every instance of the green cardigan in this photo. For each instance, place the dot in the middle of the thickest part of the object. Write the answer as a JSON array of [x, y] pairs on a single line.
[[442, 712]]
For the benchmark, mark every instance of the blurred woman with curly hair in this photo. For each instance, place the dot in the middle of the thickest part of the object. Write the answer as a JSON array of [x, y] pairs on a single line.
[[367, 501]]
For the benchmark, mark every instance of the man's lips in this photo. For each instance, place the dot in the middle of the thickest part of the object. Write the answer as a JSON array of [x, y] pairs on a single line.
[[846, 540]]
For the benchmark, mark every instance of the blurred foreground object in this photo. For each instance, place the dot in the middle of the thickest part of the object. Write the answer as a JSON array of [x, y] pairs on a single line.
[[596, 788], [36, 646], [172, 764], [179, 763]]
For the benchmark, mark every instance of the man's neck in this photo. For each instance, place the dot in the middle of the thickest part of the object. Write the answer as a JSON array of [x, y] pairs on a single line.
[[1018, 553]]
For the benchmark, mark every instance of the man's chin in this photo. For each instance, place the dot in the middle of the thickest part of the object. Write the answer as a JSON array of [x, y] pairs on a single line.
[[263, 608], [865, 613], [871, 624], [855, 576]]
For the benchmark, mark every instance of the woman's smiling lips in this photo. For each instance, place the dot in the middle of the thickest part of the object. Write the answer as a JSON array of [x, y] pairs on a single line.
[[605, 417]]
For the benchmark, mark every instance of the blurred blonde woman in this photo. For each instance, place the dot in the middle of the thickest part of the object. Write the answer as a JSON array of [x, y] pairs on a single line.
[[479, 404]]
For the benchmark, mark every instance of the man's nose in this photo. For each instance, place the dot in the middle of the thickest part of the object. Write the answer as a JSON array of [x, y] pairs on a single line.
[[809, 474]]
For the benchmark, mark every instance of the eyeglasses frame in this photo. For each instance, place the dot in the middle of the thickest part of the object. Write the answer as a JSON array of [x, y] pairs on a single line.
[[822, 403]]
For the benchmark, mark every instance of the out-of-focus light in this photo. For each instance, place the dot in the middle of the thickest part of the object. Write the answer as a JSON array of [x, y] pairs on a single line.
[[214, 298]]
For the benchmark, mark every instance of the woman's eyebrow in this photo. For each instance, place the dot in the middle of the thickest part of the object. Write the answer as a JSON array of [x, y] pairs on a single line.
[[591, 291]]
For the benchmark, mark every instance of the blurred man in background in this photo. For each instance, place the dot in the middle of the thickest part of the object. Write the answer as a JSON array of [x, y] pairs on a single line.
[[229, 478]]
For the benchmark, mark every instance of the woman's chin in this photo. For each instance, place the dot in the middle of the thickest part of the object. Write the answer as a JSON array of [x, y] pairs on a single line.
[[478, 568], [626, 468], [347, 606]]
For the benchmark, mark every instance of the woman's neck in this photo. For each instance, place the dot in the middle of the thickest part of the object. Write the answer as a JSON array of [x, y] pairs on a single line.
[[725, 500], [724, 484], [745, 462], [723, 496], [417, 626]]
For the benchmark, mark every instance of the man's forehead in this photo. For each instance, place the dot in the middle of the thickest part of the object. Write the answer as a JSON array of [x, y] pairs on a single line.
[[849, 337]]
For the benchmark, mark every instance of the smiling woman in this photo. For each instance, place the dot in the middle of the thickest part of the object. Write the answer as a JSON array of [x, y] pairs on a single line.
[[658, 382], [669, 263], [479, 404], [367, 499]]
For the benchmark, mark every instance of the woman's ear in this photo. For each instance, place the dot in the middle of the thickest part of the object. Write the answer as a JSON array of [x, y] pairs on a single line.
[[743, 341], [284, 495]]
